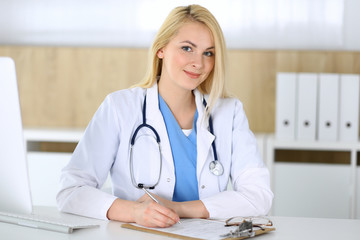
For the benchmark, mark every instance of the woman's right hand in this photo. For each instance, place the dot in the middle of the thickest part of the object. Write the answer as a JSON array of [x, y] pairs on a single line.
[[144, 212], [151, 214]]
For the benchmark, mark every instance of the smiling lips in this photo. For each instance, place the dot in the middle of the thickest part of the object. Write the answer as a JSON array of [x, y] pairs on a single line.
[[192, 75]]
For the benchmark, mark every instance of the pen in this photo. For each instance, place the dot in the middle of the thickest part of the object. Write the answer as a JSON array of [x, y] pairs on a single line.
[[153, 198]]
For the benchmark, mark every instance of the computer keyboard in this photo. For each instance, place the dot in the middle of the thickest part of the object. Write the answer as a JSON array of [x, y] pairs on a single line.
[[57, 224]]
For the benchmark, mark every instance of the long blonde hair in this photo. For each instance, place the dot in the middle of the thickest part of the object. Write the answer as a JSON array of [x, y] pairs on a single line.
[[214, 85]]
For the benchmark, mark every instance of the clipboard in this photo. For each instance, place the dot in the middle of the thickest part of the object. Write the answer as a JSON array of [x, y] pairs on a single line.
[[194, 229]]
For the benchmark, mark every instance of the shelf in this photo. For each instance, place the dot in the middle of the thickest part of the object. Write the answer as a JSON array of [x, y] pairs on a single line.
[[53, 135], [314, 145], [283, 187], [51, 139]]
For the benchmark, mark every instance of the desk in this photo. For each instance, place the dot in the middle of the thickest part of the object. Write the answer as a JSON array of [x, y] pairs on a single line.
[[287, 228]]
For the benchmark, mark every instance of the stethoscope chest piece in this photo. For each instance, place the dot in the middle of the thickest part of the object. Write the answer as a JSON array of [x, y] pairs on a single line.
[[216, 168]]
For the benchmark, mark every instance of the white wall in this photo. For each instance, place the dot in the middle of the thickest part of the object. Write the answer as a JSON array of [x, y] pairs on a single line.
[[352, 25], [249, 24]]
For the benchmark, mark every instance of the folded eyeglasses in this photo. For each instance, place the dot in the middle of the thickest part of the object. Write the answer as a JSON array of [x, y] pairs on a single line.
[[246, 225]]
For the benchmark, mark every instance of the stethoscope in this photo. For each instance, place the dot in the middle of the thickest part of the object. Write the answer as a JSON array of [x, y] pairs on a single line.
[[215, 166]]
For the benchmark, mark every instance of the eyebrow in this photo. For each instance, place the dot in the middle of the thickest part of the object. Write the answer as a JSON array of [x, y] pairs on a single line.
[[194, 45]]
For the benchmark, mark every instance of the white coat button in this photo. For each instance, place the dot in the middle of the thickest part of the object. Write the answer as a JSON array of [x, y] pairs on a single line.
[[203, 186], [168, 179]]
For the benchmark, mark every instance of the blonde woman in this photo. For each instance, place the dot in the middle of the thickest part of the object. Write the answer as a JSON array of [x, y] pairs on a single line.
[[173, 142]]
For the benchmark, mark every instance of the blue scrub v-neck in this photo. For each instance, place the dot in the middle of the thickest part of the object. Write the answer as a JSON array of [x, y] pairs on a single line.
[[184, 152]]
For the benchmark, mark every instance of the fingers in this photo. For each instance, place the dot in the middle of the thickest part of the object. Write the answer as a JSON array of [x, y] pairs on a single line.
[[161, 216], [151, 214], [167, 214]]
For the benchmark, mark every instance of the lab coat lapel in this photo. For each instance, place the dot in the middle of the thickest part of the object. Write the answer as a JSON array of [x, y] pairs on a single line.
[[204, 137], [155, 119]]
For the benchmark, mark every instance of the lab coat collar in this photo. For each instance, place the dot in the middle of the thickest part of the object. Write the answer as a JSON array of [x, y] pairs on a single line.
[[154, 116], [199, 97], [152, 102], [153, 111]]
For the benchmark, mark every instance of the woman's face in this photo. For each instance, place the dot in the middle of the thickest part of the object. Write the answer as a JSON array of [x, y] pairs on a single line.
[[188, 58]]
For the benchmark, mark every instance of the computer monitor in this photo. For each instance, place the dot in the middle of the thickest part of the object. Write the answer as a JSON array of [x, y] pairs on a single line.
[[14, 180]]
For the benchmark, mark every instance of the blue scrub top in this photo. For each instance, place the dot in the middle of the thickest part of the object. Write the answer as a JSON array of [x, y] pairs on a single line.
[[184, 152]]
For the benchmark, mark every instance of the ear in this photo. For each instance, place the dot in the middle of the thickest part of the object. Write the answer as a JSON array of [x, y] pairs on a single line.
[[160, 53]]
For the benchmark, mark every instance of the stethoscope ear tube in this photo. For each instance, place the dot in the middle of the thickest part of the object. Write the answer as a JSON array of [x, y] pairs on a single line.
[[142, 185], [144, 124], [132, 142]]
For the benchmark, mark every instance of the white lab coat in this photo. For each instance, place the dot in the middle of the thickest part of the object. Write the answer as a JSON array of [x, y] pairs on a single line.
[[105, 147]]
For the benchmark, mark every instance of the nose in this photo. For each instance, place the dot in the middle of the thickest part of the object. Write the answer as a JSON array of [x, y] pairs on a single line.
[[197, 61]]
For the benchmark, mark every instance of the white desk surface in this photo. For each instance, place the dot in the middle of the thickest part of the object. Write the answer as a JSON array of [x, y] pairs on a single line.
[[287, 228]]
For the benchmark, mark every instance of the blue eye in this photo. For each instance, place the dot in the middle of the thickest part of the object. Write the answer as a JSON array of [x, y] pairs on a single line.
[[186, 48], [208, 54]]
